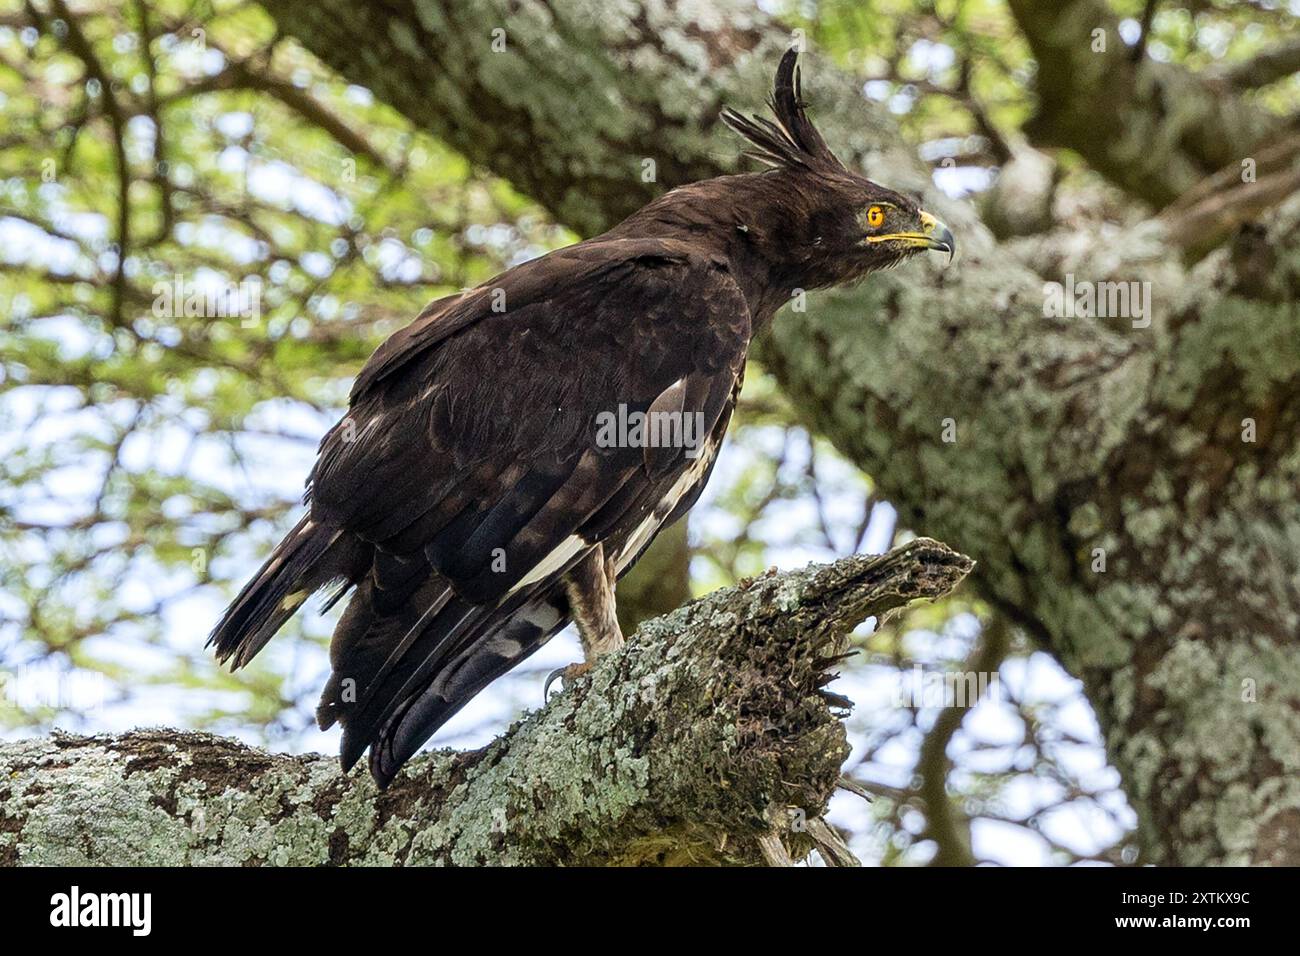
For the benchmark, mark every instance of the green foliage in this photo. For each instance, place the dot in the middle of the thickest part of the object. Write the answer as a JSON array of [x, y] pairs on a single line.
[[141, 444]]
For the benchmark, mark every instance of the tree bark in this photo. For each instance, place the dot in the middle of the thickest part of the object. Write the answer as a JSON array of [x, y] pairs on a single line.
[[1129, 488], [706, 740]]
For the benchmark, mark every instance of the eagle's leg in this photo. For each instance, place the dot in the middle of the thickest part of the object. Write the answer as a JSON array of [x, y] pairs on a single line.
[[589, 586], [590, 589]]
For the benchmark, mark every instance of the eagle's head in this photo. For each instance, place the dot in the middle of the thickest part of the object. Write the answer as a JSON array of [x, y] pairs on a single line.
[[814, 220]]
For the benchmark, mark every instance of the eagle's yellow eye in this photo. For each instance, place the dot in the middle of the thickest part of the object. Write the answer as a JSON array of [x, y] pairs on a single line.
[[875, 216]]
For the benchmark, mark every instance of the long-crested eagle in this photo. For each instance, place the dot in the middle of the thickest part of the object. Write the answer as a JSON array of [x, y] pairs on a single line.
[[474, 496]]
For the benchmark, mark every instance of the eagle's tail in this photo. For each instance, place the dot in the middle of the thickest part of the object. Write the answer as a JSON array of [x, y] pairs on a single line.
[[299, 565], [514, 636], [401, 673]]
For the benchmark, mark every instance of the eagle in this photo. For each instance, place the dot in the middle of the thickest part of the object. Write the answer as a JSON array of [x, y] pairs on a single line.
[[499, 469]]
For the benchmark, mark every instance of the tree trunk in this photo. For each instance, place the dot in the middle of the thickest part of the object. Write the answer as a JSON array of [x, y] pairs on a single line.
[[1129, 485], [706, 740]]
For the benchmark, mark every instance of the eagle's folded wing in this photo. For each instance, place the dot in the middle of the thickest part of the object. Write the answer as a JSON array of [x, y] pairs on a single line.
[[468, 474]]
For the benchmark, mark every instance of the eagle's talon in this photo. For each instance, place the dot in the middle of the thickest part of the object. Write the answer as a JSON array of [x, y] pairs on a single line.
[[568, 674]]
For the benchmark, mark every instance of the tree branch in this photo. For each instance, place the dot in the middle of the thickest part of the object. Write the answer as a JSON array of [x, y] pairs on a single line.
[[1209, 213], [1153, 129], [944, 823], [569, 106], [1271, 64], [685, 747], [81, 47]]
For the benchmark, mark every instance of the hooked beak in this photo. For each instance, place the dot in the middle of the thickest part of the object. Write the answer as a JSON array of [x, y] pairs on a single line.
[[937, 235], [933, 235]]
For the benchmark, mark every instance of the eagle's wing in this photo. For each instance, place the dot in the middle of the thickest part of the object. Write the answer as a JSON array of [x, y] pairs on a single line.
[[467, 476]]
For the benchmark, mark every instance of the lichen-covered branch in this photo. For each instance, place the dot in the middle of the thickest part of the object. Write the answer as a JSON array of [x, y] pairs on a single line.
[[1131, 494], [691, 745], [571, 100]]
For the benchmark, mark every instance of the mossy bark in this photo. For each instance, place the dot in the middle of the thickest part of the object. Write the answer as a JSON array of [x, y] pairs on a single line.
[[694, 744]]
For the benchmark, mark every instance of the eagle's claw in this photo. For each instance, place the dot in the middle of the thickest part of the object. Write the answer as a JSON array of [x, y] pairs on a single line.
[[568, 674]]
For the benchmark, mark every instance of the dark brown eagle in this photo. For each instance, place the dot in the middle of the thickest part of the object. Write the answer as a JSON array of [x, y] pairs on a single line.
[[475, 496]]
